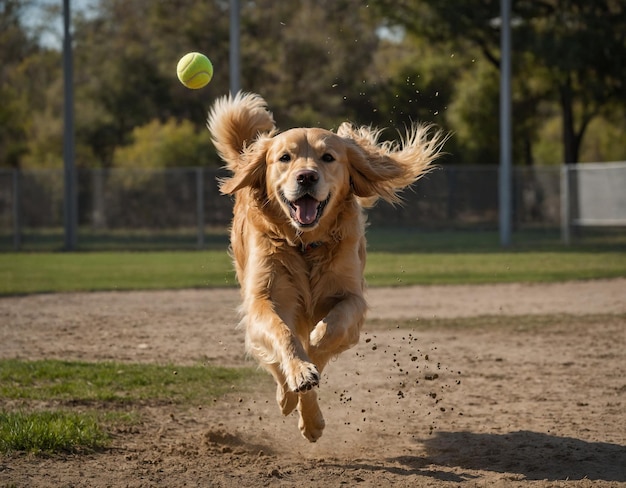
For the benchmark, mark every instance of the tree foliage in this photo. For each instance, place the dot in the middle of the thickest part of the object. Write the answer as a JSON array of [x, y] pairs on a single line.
[[169, 144], [572, 46], [318, 63], [16, 48]]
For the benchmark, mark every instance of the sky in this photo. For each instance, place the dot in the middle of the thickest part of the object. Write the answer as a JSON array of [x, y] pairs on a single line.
[[36, 16]]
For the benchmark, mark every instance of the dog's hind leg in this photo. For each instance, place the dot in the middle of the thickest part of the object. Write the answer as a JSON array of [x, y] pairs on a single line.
[[311, 421], [338, 331], [287, 400]]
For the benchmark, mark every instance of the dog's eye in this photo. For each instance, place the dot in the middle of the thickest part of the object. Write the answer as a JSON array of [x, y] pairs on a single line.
[[328, 158], [285, 158]]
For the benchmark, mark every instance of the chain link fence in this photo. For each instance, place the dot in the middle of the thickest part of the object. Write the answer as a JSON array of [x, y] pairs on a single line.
[[119, 202]]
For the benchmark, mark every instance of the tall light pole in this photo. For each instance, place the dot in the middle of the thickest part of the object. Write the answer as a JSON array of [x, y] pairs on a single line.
[[234, 57], [69, 172], [506, 152]]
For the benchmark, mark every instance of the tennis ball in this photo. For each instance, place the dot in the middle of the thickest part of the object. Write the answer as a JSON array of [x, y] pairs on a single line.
[[194, 70]]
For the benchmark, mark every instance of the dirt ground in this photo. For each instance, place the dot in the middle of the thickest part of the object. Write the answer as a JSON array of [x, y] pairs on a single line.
[[535, 397]]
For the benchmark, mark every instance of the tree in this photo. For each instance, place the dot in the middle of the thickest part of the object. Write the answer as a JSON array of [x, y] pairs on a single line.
[[574, 43], [413, 82], [126, 57], [15, 48], [159, 145], [578, 43], [309, 59]]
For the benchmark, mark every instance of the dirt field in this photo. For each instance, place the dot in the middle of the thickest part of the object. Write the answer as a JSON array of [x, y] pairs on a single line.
[[531, 393]]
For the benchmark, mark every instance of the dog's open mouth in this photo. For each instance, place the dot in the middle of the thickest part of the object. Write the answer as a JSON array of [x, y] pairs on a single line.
[[306, 210]]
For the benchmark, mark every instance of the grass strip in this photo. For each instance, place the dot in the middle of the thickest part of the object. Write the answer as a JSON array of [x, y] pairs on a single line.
[[50, 432], [115, 271], [81, 382], [390, 269], [100, 390], [55, 272]]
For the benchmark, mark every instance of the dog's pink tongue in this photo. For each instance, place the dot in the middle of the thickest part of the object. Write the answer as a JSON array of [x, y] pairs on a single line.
[[306, 210]]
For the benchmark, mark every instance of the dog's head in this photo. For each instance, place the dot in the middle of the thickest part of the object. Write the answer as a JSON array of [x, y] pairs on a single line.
[[309, 172]]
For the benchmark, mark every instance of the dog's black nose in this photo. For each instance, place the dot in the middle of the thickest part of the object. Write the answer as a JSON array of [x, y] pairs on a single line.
[[307, 177]]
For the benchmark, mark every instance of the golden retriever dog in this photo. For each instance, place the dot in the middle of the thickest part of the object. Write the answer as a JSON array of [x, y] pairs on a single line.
[[298, 235]]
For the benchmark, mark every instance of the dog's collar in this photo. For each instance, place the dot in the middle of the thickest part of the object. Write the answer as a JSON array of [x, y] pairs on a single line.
[[310, 246]]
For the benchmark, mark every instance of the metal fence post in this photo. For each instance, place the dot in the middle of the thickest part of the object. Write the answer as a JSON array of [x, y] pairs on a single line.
[[200, 206], [70, 212], [234, 48], [565, 206], [506, 151]]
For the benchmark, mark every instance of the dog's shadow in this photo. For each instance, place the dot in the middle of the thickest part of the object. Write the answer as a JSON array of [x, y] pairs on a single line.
[[533, 455]]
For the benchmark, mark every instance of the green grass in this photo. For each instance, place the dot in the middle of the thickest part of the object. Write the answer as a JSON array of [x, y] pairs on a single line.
[[99, 390], [23, 273], [396, 257], [50, 432], [58, 272], [386, 269], [116, 382]]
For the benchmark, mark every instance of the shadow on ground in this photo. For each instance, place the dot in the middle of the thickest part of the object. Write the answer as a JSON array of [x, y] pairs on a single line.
[[531, 455], [535, 455]]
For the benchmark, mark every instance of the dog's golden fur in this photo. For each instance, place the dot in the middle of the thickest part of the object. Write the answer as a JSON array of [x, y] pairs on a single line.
[[298, 235]]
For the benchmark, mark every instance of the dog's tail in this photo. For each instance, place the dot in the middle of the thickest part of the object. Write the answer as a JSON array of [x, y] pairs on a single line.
[[235, 121]]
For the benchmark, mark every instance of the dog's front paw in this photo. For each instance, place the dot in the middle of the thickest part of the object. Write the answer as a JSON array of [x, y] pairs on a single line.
[[303, 377]]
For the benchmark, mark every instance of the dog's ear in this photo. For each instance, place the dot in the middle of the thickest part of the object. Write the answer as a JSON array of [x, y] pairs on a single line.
[[382, 170], [235, 123], [369, 169], [249, 169]]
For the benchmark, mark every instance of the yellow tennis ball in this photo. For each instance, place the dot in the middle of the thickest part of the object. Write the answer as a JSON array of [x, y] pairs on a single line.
[[194, 70]]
